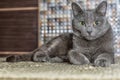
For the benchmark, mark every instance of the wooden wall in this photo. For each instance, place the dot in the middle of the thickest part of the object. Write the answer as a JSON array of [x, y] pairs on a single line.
[[18, 3], [18, 25]]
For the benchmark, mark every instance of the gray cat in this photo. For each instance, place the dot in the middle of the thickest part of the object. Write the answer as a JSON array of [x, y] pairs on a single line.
[[90, 42]]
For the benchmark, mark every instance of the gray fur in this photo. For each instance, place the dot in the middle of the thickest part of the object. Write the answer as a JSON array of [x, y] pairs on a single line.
[[90, 42]]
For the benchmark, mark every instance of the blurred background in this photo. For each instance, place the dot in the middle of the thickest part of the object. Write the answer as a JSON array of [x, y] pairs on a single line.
[[56, 15]]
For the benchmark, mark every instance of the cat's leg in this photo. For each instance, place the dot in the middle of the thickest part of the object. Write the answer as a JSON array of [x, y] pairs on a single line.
[[54, 50], [104, 60], [43, 56], [77, 58]]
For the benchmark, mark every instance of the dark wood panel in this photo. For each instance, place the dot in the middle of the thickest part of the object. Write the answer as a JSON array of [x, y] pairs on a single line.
[[10, 45], [18, 30], [18, 3]]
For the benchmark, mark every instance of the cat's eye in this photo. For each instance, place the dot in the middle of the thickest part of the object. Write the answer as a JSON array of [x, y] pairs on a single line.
[[96, 23], [82, 22]]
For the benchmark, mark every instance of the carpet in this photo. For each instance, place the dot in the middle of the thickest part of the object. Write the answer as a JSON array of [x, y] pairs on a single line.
[[57, 71]]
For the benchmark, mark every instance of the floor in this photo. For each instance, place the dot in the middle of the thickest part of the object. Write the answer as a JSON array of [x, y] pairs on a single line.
[[57, 71]]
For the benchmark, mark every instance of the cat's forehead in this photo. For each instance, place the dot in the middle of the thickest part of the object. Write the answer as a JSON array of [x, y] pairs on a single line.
[[89, 13]]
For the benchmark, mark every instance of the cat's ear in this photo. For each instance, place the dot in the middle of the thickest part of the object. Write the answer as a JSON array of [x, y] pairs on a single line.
[[76, 9], [102, 8]]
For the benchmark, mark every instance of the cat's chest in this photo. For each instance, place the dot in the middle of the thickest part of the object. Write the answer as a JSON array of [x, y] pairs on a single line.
[[85, 47]]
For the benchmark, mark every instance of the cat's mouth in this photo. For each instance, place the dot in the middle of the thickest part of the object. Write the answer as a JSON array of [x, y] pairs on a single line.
[[90, 37]]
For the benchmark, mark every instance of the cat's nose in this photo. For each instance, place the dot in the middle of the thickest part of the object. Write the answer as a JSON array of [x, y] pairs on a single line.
[[89, 32]]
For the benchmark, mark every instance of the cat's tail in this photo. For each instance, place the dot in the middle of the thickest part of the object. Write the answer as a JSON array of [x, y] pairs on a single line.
[[18, 58], [22, 57]]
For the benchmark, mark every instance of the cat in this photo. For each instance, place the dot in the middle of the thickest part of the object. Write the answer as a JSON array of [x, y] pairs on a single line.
[[90, 42]]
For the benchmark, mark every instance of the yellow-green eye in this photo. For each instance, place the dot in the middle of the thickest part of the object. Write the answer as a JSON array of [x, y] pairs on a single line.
[[82, 22], [96, 23]]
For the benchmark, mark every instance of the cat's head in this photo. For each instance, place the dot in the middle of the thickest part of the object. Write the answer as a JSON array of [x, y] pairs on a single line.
[[90, 24]]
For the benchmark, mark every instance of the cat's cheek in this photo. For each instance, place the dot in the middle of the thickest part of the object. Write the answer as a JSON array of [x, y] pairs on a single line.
[[84, 32], [93, 34]]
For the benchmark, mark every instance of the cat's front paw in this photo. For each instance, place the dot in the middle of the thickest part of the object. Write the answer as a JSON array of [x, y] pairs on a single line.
[[14, 58], [77, 58], [102, 63]]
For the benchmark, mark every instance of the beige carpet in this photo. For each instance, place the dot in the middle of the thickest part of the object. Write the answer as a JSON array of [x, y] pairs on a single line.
[[57, 71]]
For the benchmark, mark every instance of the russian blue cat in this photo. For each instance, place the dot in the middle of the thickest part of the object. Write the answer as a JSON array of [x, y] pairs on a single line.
[[90, 42]]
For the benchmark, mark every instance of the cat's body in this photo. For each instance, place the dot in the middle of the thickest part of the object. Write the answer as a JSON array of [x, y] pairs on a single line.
[[90, 42]]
